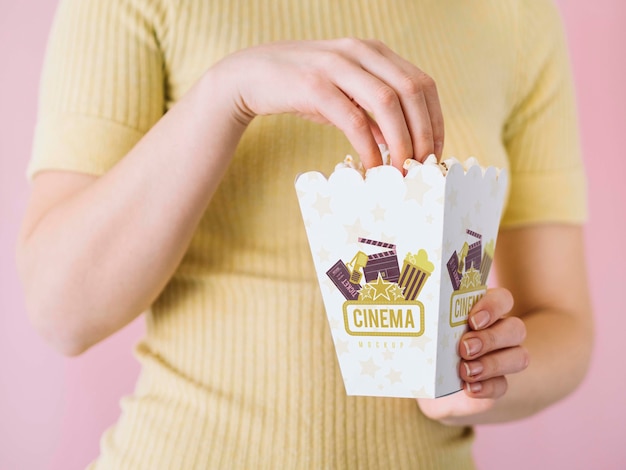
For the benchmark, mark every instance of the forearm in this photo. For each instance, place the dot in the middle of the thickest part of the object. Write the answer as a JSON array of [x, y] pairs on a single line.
[[99, 258]]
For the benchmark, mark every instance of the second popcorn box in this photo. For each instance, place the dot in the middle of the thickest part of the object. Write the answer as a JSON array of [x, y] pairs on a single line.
[[400, 261]]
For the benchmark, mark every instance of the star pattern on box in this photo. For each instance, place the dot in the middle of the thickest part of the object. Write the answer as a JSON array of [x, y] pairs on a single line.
[[369, 367], [394, 376], [323, 255], [419, 393], [342, 346], [334, 323], [420, 342], [387, 354], [478, 206], [322, 205], [354, 230], [417, 189], [378, 213], [452, 197]]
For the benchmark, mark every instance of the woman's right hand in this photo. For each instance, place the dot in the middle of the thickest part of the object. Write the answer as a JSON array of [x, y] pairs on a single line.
[[362, 87], [135, 222]]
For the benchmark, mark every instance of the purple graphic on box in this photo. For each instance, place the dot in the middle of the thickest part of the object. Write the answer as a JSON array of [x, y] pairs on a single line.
[[453, 270], [412, 280], [385, 263], [382, 275], [473, 258], [340, 276], [471, 262]]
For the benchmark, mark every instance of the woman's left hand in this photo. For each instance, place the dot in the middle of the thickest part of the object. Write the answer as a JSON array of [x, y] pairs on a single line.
[[489, 351]]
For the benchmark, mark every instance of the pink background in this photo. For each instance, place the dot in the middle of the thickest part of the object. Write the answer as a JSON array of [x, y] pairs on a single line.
[[53, 410]]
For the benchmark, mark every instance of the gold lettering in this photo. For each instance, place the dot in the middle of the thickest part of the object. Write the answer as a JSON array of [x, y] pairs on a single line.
[[384, 318], [357, 322], [409, 319], [396, 319], [372, 319]]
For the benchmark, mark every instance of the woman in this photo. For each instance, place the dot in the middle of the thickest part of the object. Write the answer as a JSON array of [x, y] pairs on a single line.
[[167, 144]]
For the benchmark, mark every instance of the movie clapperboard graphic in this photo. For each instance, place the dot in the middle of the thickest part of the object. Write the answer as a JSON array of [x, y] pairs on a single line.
[[385, 263], [347, 277]]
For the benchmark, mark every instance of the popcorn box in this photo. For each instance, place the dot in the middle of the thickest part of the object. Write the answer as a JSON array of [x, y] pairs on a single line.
[[400, 261]]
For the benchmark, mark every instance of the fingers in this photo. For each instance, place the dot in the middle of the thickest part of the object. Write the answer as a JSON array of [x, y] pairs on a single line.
[[504, 362], [376, 96], [506, 333], [352, 120], [402, 98], [363, 88], [492, 349], [490, 308], [492, 388], [426, 126]]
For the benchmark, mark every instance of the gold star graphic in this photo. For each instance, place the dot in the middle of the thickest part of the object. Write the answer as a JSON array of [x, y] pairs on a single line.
[[396, 292], [381, 288], [430, 219], [366, 293]]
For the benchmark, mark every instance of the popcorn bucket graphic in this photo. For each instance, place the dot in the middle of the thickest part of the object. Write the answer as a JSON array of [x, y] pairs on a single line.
[[396, 329]]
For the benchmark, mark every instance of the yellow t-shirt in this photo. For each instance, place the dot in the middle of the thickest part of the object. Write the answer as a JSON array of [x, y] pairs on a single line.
[[238, 366]]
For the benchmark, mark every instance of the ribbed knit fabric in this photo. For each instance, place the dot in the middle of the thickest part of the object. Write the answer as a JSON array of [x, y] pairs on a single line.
[[238, 366]]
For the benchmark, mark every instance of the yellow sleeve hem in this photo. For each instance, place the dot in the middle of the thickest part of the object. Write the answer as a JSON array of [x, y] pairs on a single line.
[[84, 144], [564, 202]]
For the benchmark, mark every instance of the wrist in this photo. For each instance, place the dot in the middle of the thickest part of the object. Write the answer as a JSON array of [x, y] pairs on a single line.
[[220, 88]]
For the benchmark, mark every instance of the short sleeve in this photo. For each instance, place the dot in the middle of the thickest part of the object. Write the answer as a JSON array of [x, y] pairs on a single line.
[[102, 85], [541, 136]]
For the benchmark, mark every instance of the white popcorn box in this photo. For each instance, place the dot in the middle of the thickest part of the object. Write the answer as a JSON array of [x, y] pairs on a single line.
[[400, 261]]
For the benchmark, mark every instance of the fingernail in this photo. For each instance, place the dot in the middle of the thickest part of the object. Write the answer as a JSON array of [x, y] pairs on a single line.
[[480, 319], [474, 387], [472, 346], [473, 368]]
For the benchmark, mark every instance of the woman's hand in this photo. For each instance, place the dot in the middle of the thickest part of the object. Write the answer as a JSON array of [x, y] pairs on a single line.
[[362, 87], [489, 351]]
